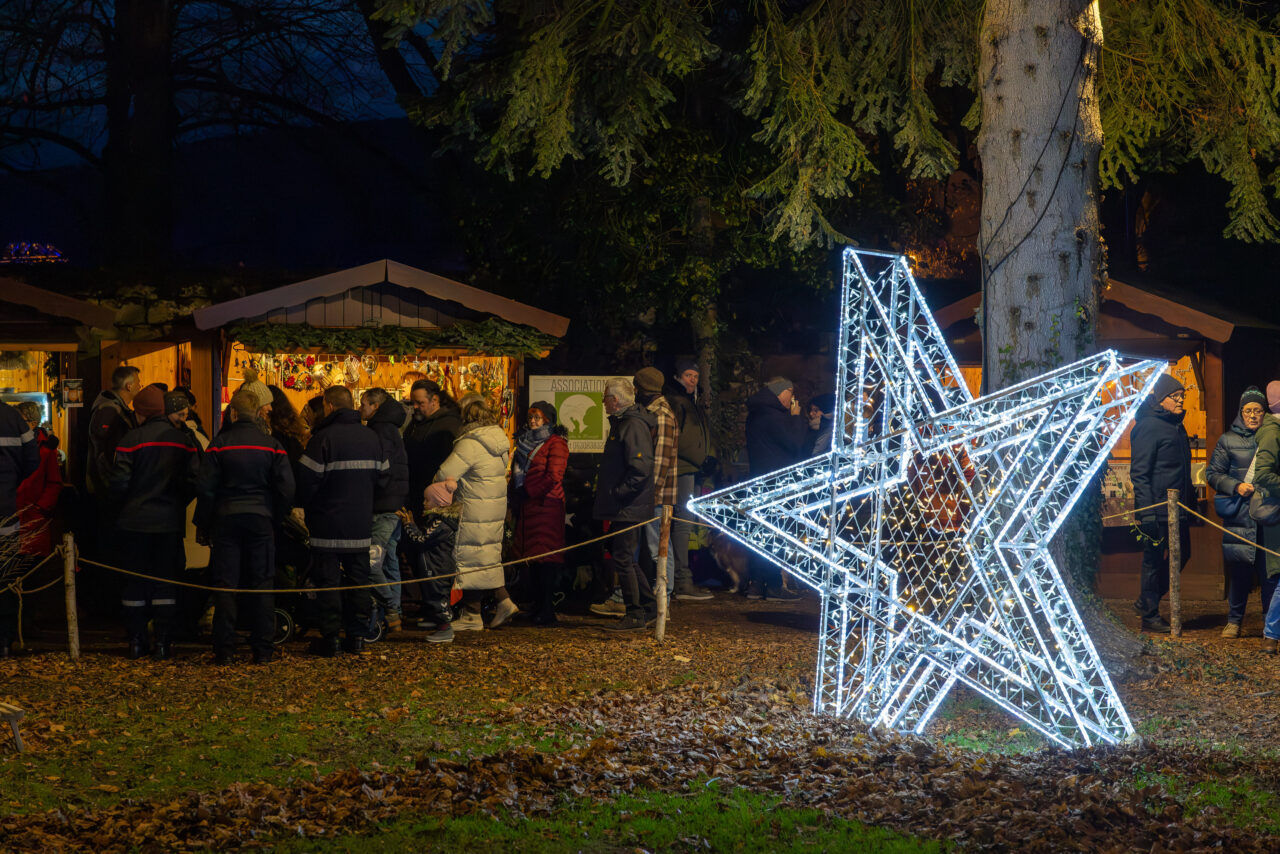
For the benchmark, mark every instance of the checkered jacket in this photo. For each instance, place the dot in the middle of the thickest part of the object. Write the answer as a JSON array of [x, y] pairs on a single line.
[[664, 452]]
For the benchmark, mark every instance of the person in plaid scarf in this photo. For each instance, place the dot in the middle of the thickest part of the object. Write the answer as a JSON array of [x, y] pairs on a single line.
[[648, 383]]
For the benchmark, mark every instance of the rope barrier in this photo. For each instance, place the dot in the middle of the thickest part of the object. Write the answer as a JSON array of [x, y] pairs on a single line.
[[16, 587], [1227, 531], [372, 585], [1135, 510]]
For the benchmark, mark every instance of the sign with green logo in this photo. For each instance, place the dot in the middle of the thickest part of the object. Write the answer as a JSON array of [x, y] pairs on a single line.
[[579, 403]]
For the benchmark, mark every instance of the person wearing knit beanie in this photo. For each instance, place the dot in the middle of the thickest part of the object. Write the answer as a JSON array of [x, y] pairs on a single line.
[[1160, 462], [648, 381], [548, 411], [778, 385], [1253, 395], [149, 403], [257, 388], [1227, 473]]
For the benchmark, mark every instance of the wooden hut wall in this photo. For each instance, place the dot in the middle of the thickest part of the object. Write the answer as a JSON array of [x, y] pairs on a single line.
[[383, 305]]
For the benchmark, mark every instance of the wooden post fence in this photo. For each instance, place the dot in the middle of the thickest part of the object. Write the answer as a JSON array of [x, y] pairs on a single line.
[[664, 535], [69, 588], [1175, 566]]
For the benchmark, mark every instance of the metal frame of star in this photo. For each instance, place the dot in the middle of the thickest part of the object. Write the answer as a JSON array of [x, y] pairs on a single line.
[[926, 528]]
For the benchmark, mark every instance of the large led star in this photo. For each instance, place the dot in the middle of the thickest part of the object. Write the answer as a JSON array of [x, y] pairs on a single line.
[[926, 527]]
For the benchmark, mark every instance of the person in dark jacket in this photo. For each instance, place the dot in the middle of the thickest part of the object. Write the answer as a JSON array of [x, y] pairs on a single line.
[[433, 549], [1245, 563], [244, 490], [537, 496], [384, 416], [19, 458], [341, 471], [1266, 480], [821, 420], [154, 480], [110, 418], [624, 496], [694, 457], [777, 436], [436, 422], [1161, 461]]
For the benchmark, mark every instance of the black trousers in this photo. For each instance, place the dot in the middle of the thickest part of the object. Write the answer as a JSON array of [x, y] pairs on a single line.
[[1155, 564], [637, 586], [349, 609], [161, 556], [243, 555], [9, 570]]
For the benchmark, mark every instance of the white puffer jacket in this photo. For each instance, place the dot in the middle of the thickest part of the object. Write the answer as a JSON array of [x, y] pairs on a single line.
[[479, 465]]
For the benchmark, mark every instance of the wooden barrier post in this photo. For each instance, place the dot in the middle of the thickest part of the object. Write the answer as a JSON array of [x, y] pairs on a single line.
[[664, 535], [69, 589], [1175, 566]]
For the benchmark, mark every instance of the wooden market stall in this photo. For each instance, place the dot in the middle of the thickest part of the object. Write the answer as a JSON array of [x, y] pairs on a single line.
[[41, 335], [382, 325], [1141, 324]]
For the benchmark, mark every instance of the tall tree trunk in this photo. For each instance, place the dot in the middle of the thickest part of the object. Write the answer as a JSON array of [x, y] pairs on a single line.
[[1039, 144], [138, 156], [706, 321], [1040, 247]]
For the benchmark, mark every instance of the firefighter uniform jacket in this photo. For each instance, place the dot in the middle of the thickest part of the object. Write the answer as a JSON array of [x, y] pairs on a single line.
[[244, 470], [154, 476], [339, 474]]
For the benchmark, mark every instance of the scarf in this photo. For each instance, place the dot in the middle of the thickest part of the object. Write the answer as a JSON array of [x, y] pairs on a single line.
[[527, 444]]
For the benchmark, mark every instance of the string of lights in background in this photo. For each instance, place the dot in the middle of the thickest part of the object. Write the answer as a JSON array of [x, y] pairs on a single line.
[[926, 528]]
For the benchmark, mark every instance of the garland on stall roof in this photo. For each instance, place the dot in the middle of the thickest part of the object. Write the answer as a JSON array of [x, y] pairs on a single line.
[[491, 337]]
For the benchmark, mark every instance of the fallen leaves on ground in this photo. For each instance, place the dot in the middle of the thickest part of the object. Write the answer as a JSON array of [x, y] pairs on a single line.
[[646, 722]]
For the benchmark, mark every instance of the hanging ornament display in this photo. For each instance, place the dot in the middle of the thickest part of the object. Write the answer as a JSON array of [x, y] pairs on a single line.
[[926, 527]]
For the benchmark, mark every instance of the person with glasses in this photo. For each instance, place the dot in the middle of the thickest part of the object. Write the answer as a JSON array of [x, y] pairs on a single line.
[[1161, 461], [1228, 469]]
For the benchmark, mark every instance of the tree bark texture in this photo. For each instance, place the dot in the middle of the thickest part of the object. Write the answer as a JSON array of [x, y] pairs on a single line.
[[138, 157], [1040, 140], [1041, 252]]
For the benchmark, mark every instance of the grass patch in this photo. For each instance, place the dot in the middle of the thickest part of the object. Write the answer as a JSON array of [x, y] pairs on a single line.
[[1238, 801], [710, 819]]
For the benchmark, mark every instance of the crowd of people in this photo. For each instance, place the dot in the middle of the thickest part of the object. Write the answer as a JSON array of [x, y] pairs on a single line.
[[431, 491], [383, 492], [1244, 473]]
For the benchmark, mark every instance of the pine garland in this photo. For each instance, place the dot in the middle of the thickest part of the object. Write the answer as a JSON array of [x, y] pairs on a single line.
[[492, 337]]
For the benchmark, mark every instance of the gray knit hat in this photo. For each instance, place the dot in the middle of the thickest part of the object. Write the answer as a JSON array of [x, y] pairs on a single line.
[[778, 385]]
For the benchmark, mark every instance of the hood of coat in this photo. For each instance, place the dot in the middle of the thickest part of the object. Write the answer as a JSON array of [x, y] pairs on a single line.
[[390, 412], [635, 410], [765, 400], [491, 437], [1151, 408], [109, 398], [1238, 427]]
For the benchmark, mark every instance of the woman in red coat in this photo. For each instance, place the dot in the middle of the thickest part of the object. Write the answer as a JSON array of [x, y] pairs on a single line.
[[38, 494], [537, 481]]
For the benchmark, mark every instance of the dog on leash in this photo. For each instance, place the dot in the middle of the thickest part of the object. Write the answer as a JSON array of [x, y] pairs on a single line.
[[731, 558]]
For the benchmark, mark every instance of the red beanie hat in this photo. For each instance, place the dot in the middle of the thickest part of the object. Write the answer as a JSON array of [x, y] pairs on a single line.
[[149, 403]]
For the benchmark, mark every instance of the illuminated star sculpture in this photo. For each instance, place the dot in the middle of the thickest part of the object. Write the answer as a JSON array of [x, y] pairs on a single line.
[[926, 527]]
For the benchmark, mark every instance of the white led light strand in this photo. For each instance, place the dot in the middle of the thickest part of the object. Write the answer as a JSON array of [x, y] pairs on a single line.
[[926, 527]]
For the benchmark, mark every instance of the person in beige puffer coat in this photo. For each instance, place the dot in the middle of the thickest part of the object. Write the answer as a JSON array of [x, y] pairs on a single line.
[[475, 475]]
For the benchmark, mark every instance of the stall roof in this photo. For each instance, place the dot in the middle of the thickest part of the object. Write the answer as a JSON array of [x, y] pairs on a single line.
[[381, 272], [1141, 300], [56, 305]]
